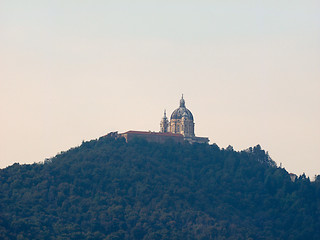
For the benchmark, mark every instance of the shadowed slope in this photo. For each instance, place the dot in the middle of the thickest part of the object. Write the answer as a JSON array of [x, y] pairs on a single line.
[[109, 189]]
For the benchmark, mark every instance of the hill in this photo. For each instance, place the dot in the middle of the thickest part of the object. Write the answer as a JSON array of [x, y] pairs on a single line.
[[110, 189]]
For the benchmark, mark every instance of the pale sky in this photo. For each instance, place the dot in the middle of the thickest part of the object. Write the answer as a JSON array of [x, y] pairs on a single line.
[[75, 70]]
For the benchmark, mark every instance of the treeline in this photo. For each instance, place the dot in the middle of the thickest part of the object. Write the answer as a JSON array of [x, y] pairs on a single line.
[[110, 189]]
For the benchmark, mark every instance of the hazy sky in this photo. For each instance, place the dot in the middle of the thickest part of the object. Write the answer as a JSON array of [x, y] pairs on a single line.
[[75, 70]]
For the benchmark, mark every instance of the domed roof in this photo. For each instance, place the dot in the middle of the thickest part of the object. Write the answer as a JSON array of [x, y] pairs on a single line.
[[182, 111]]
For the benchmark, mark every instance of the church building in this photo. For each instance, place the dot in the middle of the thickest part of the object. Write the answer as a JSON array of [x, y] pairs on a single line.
[[181, 122], [180, 128]]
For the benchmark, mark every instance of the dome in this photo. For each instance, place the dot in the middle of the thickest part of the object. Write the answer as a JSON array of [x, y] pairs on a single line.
[[182, 111]]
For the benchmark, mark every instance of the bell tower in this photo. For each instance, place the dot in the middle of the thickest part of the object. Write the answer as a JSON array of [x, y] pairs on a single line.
[[164, 124]]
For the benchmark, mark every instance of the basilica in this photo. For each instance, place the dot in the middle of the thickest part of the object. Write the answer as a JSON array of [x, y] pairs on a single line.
[[179, 129], [181, 122]]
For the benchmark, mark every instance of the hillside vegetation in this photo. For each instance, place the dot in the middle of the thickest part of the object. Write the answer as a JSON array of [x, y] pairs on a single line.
[[110, 189]]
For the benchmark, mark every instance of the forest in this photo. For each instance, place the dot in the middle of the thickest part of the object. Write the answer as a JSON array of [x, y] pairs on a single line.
[[109, 189]]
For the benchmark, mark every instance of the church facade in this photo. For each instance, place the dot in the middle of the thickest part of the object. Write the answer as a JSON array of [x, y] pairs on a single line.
[[180, 128], [181, 122]]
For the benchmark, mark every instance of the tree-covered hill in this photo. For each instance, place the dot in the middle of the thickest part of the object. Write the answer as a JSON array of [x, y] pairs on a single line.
[[110, 189]]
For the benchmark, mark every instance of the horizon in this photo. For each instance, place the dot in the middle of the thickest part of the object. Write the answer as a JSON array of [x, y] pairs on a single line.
[[74, 71]]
